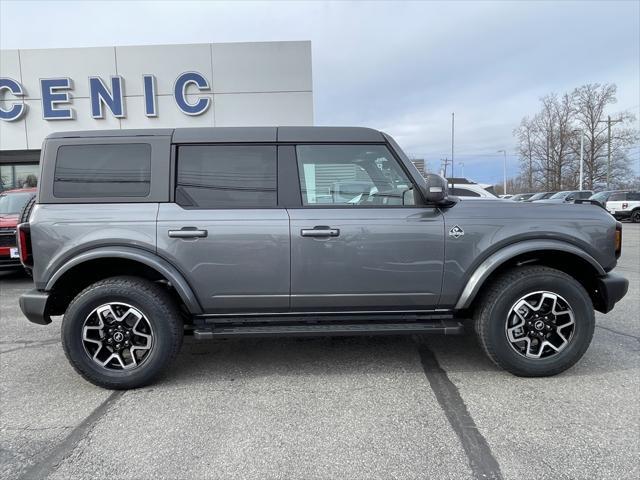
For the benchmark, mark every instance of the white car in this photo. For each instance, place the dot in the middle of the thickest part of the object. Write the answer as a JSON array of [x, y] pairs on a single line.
[[473, 190], [624, 205]]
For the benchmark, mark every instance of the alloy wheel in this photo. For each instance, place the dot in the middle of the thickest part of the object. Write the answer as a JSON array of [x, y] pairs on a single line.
[[540, 325], [117, 336]]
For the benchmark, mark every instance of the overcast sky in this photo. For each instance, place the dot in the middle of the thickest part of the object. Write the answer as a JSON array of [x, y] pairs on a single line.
[[399, 66]]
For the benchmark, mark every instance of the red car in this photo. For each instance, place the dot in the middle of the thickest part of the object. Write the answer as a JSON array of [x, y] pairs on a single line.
[[11, 203]]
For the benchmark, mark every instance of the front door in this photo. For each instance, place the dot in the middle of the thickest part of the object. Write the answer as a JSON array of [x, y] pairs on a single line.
[[225, 231], [359, 242]]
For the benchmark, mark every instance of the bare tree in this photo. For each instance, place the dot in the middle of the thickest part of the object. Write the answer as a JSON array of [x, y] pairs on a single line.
[[526, 134], [549, 143]]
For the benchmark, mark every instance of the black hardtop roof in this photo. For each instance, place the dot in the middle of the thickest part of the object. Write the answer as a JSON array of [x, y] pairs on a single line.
[[240, 134]]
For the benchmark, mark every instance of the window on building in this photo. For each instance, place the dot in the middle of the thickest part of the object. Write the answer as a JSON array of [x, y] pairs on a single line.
[[351, 175], [18, 175], [118, 170], [221, 176]]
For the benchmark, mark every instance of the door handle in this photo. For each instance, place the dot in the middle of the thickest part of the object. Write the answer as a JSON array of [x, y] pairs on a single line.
[[188, 232], [320, 232]]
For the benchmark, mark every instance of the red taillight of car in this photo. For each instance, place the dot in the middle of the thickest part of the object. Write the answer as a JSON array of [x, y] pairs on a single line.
[[625, 206], [618, 239], [23, 233]]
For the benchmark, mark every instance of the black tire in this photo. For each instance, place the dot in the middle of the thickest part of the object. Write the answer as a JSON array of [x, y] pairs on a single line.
[[635, 216], [25, 213], [490, 320], [148, 298]]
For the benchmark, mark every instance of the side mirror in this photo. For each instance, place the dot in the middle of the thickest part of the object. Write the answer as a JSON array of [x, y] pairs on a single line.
[[436, 189]]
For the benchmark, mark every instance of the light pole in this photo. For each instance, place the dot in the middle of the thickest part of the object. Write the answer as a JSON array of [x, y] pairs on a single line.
[[504, 171], [581, 156], [461, 169]]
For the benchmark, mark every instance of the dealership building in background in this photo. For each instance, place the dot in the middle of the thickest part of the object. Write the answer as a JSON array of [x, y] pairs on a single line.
[[155, 86]]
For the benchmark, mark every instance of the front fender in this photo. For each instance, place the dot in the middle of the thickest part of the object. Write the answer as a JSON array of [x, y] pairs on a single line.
[[145, 257], [489, 265]]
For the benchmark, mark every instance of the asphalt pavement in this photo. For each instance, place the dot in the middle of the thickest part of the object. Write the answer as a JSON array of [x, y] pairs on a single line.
[[344, 408]]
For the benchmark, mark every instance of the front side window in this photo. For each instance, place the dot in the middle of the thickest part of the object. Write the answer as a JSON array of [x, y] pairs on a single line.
[[352, 175], [221, 176], [115, 170]]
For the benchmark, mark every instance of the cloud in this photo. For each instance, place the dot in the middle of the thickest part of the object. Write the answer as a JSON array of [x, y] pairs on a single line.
[[399, 66]]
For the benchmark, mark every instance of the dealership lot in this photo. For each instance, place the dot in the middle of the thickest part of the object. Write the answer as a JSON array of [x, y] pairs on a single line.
[[352, 407]]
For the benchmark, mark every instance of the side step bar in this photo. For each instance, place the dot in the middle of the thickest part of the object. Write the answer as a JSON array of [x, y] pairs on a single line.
[[446, 327]]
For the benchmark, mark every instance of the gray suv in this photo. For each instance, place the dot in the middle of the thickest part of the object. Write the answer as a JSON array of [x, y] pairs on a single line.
[[138, 237]]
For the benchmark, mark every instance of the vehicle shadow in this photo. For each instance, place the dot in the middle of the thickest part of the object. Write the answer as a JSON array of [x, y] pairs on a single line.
[[382, 356]]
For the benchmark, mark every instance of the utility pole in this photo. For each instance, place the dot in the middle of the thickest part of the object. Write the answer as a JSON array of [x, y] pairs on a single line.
[[462, 168], [453, 127], [581, 156], [443, 166], [504, 171]]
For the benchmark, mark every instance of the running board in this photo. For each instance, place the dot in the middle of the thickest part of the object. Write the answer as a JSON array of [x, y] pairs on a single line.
[[446, 327]]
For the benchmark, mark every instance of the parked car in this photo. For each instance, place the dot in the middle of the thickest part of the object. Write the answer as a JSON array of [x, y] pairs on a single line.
[[602, 197], [568, 196], [539, 196], [521, 197], [624, 206], [11, 204], [219, 230], [467, 189]]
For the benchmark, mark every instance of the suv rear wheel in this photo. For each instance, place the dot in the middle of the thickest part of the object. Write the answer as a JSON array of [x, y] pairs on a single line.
[[122, 332], [535, 321]]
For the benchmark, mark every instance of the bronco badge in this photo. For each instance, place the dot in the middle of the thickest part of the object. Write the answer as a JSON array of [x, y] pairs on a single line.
[[456, 232]]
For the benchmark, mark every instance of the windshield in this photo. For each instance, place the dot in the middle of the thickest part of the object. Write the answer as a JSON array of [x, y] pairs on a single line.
[[537, 196], [559, 195], [600, 197], [12, 203]]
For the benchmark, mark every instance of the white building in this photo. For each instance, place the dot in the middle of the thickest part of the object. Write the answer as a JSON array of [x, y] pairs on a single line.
[[199, 85]]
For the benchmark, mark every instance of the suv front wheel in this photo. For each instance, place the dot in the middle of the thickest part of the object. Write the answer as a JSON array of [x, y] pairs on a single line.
[[535, 321], [121, 332]]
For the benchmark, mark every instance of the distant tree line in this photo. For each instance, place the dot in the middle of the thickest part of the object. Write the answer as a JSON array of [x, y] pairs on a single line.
[[548, 143]]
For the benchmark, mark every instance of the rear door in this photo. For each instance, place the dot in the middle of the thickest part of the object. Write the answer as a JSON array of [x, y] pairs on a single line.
[[358, 240], [224, 229]]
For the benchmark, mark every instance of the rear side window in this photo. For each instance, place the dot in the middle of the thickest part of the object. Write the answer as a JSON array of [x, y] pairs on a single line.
[[617, 197], [117, 170], [227, 176], [633, 196]]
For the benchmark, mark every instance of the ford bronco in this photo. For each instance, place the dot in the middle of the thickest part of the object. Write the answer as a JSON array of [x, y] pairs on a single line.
[[138, 237]]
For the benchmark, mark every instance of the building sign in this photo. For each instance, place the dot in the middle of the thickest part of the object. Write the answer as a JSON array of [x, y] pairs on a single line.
[[200, 85], [56, 95]]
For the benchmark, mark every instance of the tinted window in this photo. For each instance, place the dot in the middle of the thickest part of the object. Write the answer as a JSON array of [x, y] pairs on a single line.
[[351, 175], [84, 171], [583, 194], [220, 176], [617, 197], [463, 192], [633, 196]]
